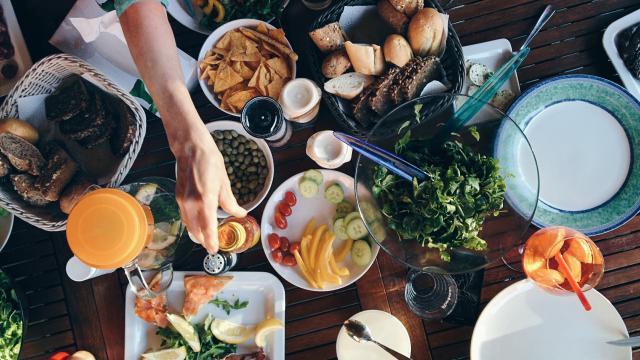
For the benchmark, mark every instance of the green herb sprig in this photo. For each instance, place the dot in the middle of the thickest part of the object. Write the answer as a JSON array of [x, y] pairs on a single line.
[[10, 320], [226, 306], [210, 347]]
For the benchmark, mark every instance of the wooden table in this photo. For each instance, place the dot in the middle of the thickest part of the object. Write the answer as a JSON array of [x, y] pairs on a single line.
[[67, 316]]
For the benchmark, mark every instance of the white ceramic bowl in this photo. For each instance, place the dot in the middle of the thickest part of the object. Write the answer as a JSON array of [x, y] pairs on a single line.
[[306, 208], [262, 145], [213, 39], [6, 225]]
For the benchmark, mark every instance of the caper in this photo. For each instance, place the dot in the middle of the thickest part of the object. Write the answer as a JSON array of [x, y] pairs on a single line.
[[247, 160], [227, 135], [234, 133], [253, 145], [263, 162], [237, 185], [234, 143]]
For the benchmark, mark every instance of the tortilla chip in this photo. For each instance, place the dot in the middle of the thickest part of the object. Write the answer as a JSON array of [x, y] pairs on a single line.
[[224, 41], [253, 65], [274, 88], [278, 35], [280, 66], [243, 56], [243, 70], [226, 77], [262, 28], [222, 52], [272, 49], [239, 98]]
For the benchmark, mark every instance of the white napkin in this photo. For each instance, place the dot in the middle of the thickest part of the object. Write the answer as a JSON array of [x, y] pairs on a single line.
[[95, 36]]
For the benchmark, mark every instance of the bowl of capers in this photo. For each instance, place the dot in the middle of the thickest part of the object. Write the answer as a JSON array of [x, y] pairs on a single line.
[[248, 161]]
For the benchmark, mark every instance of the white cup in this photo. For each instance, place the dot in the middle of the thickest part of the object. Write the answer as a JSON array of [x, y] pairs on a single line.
[[79, 271]]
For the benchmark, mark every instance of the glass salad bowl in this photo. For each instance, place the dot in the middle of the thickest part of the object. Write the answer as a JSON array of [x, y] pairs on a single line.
[[474, 206]]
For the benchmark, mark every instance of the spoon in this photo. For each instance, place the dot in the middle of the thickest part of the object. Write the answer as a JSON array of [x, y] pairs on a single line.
[[361, 333]]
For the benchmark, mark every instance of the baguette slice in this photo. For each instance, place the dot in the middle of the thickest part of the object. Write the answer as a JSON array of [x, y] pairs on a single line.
[[22, 154], [349, 85]]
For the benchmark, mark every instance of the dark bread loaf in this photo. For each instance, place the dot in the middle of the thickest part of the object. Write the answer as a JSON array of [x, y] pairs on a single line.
[[361, 109], [69, 99], [124, 129], [25, 186], [428, 69], [5, 166], [380, 99], [22, 154], [57, 173]]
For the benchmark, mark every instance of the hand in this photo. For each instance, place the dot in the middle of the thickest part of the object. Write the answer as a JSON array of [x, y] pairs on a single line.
[[202, 185]]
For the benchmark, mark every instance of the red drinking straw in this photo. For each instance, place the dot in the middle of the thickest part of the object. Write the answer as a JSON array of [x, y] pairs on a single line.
[[564, 268]]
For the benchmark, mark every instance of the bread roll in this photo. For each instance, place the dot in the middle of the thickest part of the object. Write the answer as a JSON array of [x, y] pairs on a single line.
[[328, 38], [397, 50], [426, 32], [78, 186], [349, 85], [336, 64], [361, 57], [407, 7], [378, 60], [397, 20], [19, 128]]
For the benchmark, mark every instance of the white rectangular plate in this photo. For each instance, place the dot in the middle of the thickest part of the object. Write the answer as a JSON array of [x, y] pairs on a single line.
[[264, 292], [609, 42], [492, 54]]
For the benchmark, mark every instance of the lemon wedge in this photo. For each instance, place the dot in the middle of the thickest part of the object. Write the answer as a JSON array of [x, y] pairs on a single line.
[[264, 328], [169, 354], [186, 330], [230, 332]]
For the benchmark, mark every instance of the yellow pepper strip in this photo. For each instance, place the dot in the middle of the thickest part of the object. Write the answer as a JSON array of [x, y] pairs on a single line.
[[208, 8], [303, 269], [340, 271], [313, 253], [323, 260], [344, 249], [308, 229], [220, 10], [304, 247]]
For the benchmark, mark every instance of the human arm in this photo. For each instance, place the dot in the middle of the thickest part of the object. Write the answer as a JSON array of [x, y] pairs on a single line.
[[202, 182]]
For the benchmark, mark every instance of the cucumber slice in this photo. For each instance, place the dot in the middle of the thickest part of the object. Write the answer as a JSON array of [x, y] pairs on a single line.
[[356, 229], [369, 211], [350, 216], [334, 194], [361, 253], [378, 232], [340, 229], [343, 208], [314, 175], [308, 188]]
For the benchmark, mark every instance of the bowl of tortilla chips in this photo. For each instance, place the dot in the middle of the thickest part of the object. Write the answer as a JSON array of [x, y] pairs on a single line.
[[243, 59]]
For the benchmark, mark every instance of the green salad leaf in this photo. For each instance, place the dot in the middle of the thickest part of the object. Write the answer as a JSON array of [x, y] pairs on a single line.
[[10, 320], [226, 306], [211, 348], [447, 209]]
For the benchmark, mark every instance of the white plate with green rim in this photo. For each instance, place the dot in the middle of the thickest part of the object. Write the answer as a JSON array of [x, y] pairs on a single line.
[[525, 322], [585, 134]]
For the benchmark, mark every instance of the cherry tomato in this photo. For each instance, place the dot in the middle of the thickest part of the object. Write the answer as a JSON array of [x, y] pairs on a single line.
[[274, 241], [294, 246], [290, 198], [284, 244], [280, 220], [277, 256], [289, 260], [284, 209], [61, 355]]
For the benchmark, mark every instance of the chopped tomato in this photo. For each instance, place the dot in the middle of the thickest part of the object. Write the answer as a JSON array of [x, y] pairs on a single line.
[[294, 246], [284, 244], [289, 260], [290, 198], [274, 241], [284, 209], [280, 220], [277, 256], [59, 356]]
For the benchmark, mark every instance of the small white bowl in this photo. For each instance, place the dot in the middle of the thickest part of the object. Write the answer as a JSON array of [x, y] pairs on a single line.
[[213, 38], [327, 151], [262, 145]]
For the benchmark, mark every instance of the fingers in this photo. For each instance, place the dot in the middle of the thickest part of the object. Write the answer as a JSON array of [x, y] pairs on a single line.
[[209, 226], [228, 202]]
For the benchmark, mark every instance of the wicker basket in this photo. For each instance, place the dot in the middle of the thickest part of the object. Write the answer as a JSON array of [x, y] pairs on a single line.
[[43, 78], [452, 61]]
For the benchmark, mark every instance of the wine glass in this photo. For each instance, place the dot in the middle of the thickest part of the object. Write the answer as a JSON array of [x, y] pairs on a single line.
[[430, 291]]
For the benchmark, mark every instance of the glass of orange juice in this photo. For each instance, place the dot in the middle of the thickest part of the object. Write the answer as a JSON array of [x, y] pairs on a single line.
[[548, 247]]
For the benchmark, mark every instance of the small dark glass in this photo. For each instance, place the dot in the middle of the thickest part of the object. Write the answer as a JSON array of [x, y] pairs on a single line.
[[262, 117]]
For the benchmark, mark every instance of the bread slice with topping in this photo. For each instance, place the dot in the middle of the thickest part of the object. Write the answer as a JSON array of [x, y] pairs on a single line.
[[25, 186], [22, 154], [69, 99], [57, 173]]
